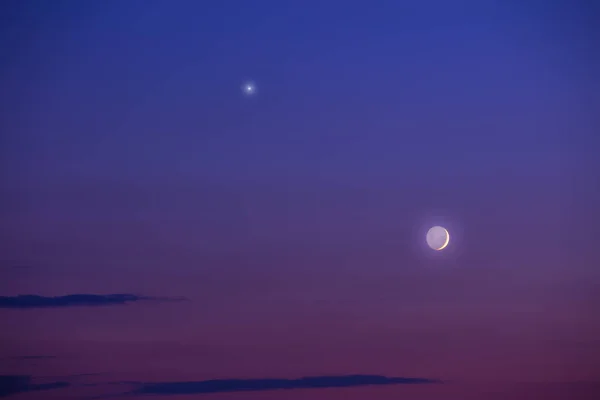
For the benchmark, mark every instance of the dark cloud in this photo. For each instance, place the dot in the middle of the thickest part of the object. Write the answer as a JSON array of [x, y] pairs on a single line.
[[237, 385], [13, 384], [73, 300]]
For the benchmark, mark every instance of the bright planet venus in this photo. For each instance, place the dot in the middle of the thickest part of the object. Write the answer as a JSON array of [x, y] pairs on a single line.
[[438, 238], [249, 88]]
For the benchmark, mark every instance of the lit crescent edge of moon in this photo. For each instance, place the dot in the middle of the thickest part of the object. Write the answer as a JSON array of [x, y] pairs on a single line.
[[447, 240]]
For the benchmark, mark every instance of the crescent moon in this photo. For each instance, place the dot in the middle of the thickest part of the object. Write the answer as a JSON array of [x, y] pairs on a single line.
[[447, 240]]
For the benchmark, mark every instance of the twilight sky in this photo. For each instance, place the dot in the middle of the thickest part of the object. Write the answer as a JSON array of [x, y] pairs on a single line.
[[201, 234]]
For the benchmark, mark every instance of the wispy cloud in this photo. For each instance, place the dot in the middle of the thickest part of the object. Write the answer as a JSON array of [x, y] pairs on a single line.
[[237, 385], [74, 300], [32, 357], [13, 384], [15, 266]]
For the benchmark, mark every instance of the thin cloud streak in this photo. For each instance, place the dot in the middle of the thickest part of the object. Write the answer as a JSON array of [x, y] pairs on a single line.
[[74, 300], [242, 385], [14, 384]]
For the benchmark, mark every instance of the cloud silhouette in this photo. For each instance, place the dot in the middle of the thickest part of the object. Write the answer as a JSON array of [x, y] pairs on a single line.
[[13, 384], [238, 385], [32, 357], [73, 300], [15, 267]]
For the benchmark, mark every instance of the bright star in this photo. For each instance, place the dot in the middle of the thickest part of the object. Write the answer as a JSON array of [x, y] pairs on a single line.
[[249, 88]]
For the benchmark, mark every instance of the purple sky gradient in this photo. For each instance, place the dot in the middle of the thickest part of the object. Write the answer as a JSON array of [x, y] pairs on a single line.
[[294, 221]]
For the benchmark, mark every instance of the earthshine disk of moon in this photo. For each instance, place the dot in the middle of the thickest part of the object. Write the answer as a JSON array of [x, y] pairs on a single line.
[[438, 238]]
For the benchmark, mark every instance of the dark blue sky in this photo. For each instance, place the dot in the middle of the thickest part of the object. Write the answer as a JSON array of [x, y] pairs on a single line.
[[347, 92]]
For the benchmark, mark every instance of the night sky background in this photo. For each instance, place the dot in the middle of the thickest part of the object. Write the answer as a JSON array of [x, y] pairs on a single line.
[[201, 234]]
